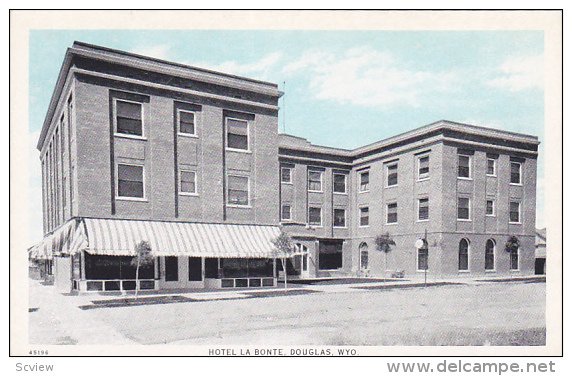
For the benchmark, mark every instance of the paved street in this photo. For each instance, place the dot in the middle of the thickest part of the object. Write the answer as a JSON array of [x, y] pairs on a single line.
[[472, 313]]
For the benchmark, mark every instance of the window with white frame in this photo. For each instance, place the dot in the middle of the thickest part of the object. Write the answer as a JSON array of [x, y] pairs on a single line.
[[238, 190], [187, 182], [128, 118], [464, 255], [515, 173], [339, 217], [286, 212], [423, 209], [364, 181], [490, 255], [422, 167], [491, 167], [315, 181], [364, 216], [514, 212], [286, 175], [391, 172], [463, 208], [130, 181], [236, 134], [339, 183], [490, 208], [392, 212], [186, 123], [464, 166], [315, 216]]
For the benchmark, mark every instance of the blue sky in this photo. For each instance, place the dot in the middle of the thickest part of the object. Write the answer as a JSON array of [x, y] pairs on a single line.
[[343, 88]]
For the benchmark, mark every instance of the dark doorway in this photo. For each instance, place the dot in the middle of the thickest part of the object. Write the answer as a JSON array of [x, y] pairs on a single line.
[[211, 268], [195, 269], [540, 266], [171, 268]]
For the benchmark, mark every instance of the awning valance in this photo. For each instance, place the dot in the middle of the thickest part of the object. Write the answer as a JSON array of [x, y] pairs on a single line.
[[119, 237], [67, 239]]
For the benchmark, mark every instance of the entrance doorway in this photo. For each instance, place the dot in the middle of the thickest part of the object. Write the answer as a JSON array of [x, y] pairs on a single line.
[[301, 261], [540, 266]]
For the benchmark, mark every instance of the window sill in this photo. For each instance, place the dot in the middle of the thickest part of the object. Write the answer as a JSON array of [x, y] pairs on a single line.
[[239, 206], [491, 176], [121, 198], [286, 182], [364, 191], [464, 220], [363, 226], [188, 194], [490, 215], [340, 227], [515, 223], [490, 271], [314, 226], [239, 150], [422, 220], [423, 179], [341, 193], [422, 270], [188, 135], [463, 271], [462, 178], [391, 224], [392, 186], [130, 136], [309, 191], [516, 184]]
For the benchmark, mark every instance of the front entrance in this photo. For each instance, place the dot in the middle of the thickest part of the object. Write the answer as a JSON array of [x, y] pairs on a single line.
[[300, 261]]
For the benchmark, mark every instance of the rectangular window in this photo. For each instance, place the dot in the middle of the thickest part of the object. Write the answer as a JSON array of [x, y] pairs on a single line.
[[515, 173], [171, 268], [364, 216], [330, 255], [236, 134], [188, 182], [463, 208], [514, 214], [423, 167], [339, 218], [422, 259], [339, 183], [392, 212], [491, 167], [423, 209], [129, 118], [315, 181], [314, 216], [392, 175], [286, 212], [364, 181], [238, 190], [186, 122], [464, 170], [130, 181], [490, 209], [195, 269], [286, 175]]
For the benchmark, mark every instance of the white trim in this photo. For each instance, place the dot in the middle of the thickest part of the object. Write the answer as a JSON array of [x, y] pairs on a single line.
[[359, 216], [321, 216], [193, 135], [289, 175], [248, 149], [418, 206], [289, 212], [387, 213], [470, 177], [418, 160], [129, 198], [417, 261], [469, 207], [519, 173], [334, 218], [227, 204], [494, 208], [387, 166], [468, 270], [126, 135], [345, 192], [321, 180], [494, 174], [360, 190], [519, 213], [196, 192], [494, 269]]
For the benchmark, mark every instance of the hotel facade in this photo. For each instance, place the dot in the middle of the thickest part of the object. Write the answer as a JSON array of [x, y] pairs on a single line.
[[138, 149]]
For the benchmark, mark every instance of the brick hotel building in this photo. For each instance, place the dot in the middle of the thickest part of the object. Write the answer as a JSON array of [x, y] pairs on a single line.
[[190, 160]]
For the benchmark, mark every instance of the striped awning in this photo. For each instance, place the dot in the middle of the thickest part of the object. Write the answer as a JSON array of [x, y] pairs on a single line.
[[118, 237], [67, 239]]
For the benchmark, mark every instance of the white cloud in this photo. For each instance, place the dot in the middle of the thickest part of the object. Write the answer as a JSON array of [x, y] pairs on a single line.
[[520, 73], [260, 68], [159, 51], [368, 77]]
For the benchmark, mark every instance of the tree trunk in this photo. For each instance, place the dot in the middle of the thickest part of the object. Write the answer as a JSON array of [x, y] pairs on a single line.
[[385, 266], [137, 277], [285, 273]]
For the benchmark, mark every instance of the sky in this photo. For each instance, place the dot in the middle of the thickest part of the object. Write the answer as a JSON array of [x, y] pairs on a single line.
[[342, 88]]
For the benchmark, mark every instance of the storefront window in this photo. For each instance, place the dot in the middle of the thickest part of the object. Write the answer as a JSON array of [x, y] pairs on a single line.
[[115, 267]]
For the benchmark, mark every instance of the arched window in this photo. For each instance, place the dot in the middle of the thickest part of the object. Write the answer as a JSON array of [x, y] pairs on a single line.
[[363, 256], [514, 259], [464, 254], [490, 255]]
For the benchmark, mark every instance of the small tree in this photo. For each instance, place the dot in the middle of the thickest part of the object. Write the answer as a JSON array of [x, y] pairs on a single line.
[[512, 244], [285, 249], [143, 257], [384, 243]]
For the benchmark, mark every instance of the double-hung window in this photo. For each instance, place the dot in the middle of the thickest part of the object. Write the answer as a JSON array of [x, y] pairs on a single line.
[[391, 170], [339, 183], [423, 167], [364, 181], [339, 218], [491, 167], [464, 167], [514, 212], [186, 124], [315, 181], [364, 216], [286, 212], [188, 182], [315, 216], [515, 173], [130, 181], [423, 209], [463, 208], [238, 190], [128, 118], [286, 175], [490, 208], [392, 212], [236, 134]]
